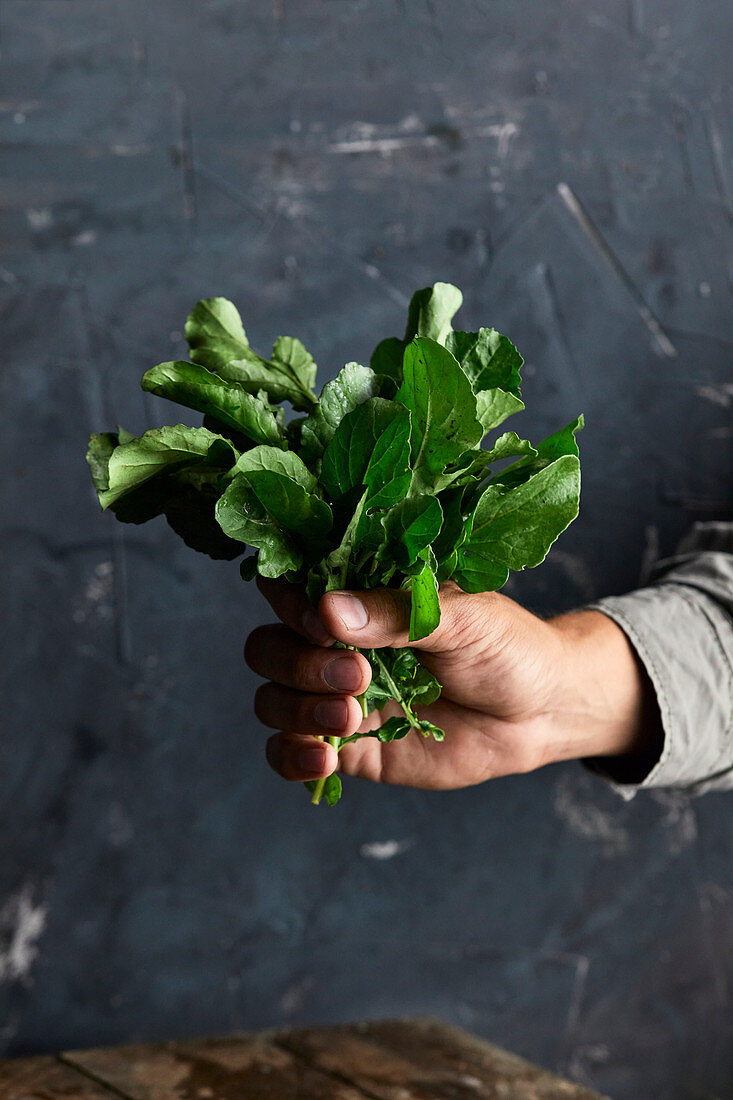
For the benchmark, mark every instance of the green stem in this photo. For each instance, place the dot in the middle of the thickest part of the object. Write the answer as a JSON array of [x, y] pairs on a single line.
[[396, 694], [361, 699], [318, 792]]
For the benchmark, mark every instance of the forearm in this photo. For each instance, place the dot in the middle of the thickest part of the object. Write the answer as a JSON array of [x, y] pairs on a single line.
[[605, 702]]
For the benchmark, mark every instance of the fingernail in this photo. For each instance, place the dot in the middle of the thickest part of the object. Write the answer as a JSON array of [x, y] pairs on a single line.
[[350, 611], [332, 714], [342, 674], [314, 628], [311, 759]]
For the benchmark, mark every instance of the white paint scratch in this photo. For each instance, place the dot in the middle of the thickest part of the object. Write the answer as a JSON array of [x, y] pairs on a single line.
[[721, 394], [586, 819], [294, 998], [503, 132], [86, 237], [98, 594], [383, 146], [679, 820], [384, 849], [662, 342], [129, 150], [21, 926], [19, 107], [715, 907], [580, 965], [583, 1062], [577, 571], [470, 1082], [650, 554], [39, 219]]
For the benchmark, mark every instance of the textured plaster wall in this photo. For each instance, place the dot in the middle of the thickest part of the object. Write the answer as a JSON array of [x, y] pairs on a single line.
[[568, 164]]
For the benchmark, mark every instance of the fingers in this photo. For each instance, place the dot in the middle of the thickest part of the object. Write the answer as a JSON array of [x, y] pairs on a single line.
[[382, 618], [278, 654], [282, 708], [290, 603], [300, 758]]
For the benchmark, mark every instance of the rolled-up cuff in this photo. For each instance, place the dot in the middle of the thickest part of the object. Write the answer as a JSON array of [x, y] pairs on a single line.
[[684, 641]]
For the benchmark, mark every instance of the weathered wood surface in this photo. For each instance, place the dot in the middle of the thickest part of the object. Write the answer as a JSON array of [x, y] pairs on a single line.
[[385, 1060], [209, 1069], [424, 1059], [46, 1078]]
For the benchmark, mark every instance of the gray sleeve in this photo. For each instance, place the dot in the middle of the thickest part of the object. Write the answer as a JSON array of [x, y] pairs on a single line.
[[681, 627]]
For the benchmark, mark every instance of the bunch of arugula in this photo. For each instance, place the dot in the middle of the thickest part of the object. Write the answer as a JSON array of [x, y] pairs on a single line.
[[382, 481]]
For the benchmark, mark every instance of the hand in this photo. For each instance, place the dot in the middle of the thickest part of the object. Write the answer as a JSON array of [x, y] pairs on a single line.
[[518, 692]]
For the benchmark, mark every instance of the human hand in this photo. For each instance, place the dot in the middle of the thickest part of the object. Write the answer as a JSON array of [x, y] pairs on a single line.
[[518, 692]]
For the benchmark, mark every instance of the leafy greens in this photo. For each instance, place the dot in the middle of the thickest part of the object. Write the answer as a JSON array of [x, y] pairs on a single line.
[[383, 481]]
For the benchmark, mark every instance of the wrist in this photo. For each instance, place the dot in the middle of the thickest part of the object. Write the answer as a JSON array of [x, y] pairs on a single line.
[[605, 705]]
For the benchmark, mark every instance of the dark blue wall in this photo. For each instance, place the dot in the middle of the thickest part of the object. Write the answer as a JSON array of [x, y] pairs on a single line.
[[568, 164]]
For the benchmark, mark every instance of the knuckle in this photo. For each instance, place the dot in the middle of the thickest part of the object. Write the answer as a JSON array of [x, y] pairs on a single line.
[[254, 644], [390, 613], [303, 673], [262, 703]]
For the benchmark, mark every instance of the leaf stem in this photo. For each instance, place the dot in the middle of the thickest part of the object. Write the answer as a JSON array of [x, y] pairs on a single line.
[[318, 792], [397, 695]]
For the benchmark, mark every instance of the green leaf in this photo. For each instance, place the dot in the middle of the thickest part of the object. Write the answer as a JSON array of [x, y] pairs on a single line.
[[218, 341], [292, 506], [492, 364], [394, 729], [514, 528], [453, 531], [488, 358], [508, 445], [152, 477], [474, 465], [425, 604], [370, 447], [291, 358], [194, 386], [101, 446], [554, 447], [132, 463], [331, 788], [494, 406], [353, 385], [189, 511], [248, 567], [387, 358], [280, 462], [285, 489], [431, 312], [337, 562], [214, 329], [443, 410], [397, 674], [278, 377], [429, 729], [411, 526], [242, 516]]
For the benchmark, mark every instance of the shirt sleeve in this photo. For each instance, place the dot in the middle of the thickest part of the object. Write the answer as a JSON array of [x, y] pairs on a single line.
[[681, 626]]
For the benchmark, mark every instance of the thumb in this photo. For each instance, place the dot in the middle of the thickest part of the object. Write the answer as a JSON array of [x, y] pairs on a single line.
[[381, 617]]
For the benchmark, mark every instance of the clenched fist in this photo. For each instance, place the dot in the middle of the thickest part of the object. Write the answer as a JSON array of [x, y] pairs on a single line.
[[518, 692]]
